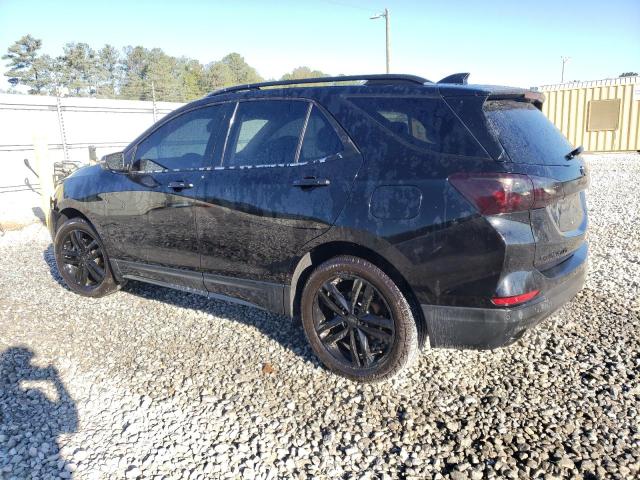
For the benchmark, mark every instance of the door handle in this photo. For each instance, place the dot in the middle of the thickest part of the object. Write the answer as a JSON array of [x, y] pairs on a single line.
[[311, 182], [180, 185]]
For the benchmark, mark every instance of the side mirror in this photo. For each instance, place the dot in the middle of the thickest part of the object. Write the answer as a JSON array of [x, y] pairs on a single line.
[[115, 162]]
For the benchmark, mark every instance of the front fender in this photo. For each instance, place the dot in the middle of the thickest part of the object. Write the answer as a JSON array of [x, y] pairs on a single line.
[[77, 195]]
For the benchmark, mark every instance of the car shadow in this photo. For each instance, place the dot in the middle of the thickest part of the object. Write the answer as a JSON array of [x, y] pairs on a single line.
[[35, 408], [282, 329], [39, 214], [50, 259]]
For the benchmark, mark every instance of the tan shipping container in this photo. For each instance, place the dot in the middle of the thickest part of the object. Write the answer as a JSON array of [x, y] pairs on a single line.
[[600, 115]]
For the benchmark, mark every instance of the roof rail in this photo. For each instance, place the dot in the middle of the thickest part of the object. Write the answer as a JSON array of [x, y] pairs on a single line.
[[373, 79], [460, 78]]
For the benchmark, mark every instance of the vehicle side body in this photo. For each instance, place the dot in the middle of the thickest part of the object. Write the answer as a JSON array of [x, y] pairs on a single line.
[[251, 235]]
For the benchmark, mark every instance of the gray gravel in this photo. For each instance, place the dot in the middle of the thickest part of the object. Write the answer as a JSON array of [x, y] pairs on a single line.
[[154, 383]]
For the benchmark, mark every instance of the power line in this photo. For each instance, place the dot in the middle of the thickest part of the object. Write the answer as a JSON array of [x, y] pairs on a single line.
[[348, 5]]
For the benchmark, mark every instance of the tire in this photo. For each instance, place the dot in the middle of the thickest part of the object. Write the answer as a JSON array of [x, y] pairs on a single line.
[[373, 307], [82, 260]]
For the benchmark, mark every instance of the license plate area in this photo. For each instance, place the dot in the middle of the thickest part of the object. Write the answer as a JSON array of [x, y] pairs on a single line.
[[568, 213]]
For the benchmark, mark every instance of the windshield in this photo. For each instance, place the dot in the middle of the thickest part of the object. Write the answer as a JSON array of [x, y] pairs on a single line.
[[526, 134]]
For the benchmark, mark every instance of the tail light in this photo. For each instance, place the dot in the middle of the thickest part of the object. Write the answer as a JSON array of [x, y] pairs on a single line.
[[546, 191], [494, 193]]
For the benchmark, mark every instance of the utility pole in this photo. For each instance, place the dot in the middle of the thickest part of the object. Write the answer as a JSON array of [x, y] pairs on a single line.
[[386, 16], [564, 60]]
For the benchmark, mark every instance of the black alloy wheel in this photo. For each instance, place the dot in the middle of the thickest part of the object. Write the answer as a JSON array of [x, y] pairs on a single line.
[[353, 321], [82, 260], [357, 320]]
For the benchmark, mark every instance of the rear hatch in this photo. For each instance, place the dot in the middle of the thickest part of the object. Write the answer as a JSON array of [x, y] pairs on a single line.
[[538, 149]]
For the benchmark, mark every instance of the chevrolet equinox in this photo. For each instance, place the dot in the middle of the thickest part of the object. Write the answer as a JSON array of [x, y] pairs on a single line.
[[384, 211]]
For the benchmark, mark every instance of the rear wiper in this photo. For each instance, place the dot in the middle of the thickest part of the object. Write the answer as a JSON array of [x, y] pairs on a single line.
[[574, 153]]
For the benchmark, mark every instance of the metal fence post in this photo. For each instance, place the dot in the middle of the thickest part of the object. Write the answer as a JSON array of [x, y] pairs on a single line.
[[44, 168], [63, 134], [153, 98]]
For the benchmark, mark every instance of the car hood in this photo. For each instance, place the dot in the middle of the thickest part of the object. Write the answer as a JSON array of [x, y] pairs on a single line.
[[87, 170]]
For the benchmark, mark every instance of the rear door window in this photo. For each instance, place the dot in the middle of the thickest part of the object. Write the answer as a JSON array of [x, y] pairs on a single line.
[[424, 122], [320, 139], [525, 133], [265, 132]]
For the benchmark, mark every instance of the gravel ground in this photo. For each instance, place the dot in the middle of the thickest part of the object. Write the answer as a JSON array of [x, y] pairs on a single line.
[[155, 383]]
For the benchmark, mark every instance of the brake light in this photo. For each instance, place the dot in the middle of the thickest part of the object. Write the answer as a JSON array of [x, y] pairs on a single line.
[[515, 300], [546, 191], [494, 193]]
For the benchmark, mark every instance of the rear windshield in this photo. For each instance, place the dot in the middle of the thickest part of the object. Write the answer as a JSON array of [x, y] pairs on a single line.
[[525, 133], [424, 122]]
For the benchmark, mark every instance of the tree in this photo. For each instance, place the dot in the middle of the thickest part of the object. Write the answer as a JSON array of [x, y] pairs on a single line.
[[216, 75], [241, 71], [108, 69], [23, 64], [135, 73], [191, 74], [135, 66], [79, 69], [173, 79], [165, 73], [303, 72], [629, 74], [48, 73]]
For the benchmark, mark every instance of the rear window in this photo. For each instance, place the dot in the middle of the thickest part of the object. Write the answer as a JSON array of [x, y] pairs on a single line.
[[320, 139], [525, 133], [424, 122]]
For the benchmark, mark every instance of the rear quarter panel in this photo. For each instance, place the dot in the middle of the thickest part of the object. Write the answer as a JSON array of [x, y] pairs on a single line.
[[447, 252]]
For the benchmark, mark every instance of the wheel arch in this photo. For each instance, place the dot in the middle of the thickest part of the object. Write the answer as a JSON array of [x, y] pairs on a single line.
[[326, 251], [68, 213]]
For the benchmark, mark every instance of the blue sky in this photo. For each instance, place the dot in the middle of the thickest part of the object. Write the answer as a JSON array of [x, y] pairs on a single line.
[[514, 43]]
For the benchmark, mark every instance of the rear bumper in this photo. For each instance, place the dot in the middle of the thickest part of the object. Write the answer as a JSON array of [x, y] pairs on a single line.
[[488, 328]]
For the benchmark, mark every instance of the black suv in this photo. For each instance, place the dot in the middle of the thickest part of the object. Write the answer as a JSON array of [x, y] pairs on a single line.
[[383, 210]]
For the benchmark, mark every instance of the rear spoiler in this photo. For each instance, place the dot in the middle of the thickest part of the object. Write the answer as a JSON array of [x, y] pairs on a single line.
[[460, 78], [536, 98]]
